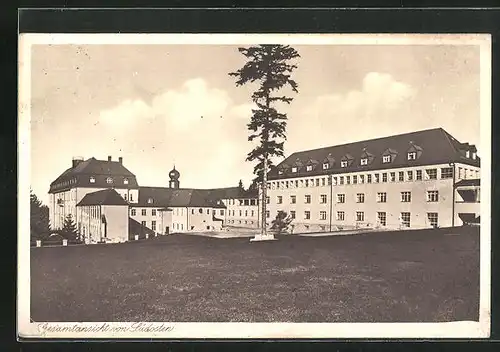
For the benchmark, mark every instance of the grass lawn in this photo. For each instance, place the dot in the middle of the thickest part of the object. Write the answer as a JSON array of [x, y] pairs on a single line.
[[413, 276]]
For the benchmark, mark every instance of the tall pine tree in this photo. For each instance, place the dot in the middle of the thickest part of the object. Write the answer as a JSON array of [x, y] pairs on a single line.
[[69, 231], [270, 66], [39, 218]]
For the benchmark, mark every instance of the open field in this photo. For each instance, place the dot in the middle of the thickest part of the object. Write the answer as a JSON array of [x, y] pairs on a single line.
[[413, 276]]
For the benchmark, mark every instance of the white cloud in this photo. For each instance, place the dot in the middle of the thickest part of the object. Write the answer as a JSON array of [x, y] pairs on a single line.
[[126, 113], [381, 102]]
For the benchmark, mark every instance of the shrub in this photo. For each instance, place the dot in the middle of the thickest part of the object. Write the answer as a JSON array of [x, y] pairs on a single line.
[[281, 223]]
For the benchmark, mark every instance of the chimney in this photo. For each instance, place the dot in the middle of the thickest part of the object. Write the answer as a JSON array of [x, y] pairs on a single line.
[[109, 157], [76, 160], [120, 160]]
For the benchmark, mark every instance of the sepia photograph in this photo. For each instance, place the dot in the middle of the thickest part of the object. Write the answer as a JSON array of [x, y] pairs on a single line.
[[254, 185]]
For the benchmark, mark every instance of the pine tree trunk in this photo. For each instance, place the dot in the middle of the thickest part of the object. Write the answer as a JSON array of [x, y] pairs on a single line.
[[264, 197]]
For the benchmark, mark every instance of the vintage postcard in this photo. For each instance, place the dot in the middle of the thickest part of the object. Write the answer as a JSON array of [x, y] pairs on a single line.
[[254, 186]]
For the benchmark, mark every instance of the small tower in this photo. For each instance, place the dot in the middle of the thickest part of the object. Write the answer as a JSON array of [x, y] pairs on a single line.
[[174, 178]]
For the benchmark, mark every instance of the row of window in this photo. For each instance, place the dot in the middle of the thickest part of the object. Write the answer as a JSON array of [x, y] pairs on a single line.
[[392, 176], [109, 180], [232, 213], [93, 212], [242, 201], [153, 224], [405, 217], [176, 211], [247, 222], [432, 196]]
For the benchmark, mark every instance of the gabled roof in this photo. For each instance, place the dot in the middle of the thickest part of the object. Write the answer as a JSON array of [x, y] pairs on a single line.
[[105, 197], [437, 146], [79, 176], [181, 197]]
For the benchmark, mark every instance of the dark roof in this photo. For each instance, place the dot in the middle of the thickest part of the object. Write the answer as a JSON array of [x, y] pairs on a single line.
[[178, 197], [433, 146], [469, 182], [105, 197], [79, 176], [136, 228]]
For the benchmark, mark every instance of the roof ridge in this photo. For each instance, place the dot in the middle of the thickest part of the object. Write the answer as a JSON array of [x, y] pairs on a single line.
[[367, 140]]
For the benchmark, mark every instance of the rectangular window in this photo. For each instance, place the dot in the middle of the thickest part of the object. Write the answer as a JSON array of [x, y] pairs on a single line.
[[132, 212], [384, 177], [348, 180], [432, 196], [360, 216], [268, 200], [268, 214], [446, 172], [406, 197], [392, 176], [307, 215], [409, 175], [361, 178], [153, 225], [252, 212], [323, 182], [405, 219], [292, 214], [317, 182], [381, 197], [279, 199], [307, 183], [386, 159], [418, 175], [355, 179], [322, 215], [246, 213], [433, 219], [364, 161], [322, 199], [369, 178], [309, 168], [431, 174], [360, 198], [325, 166], [307, 199], [343, 163], [401, 176], [377, 178], [382, 218], [240, 213], [296, 184], [294, 169], [143, 223], [153, 212], [246, 202], [341, 180], [222, 212], [340, 216], [340, 198], [293, 199], [143, 212], [412, 155]]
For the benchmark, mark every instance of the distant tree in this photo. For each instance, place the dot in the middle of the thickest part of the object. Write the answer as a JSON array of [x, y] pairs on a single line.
[[281, 223], [39, 218], [269, 66], [69, 231]]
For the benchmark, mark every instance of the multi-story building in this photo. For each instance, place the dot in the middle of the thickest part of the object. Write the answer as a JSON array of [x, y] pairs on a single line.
[[412, 180], [242, 209], [89, 189]]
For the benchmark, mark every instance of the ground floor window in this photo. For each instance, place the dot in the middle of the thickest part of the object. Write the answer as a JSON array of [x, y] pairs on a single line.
[[307, 215], [143, 223], [340, 215], [153, 225], [405, 219], [292, 214], [382, 218], [360, 216], [322, 215], [433, 219]]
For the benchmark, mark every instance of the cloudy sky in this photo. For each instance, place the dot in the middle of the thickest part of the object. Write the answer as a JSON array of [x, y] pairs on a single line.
[[156, 105]]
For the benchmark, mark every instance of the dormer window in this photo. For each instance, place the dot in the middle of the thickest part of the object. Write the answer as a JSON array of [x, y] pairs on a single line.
[[109, 180], [125, 181], [294, 169], [474, 155], [150, 200], [280, 172], [309, 168], [386, 159], [92, 180], [467, 154], [364, 161], [344, 163], [412, 155], [326, 166]]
